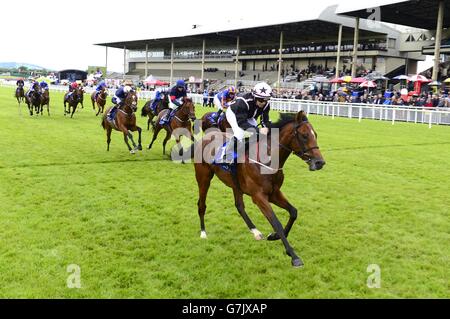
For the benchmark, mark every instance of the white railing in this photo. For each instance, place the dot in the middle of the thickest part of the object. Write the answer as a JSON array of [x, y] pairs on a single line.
[[430, 116]]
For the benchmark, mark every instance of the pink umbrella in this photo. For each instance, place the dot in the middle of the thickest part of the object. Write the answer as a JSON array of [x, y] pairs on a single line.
[[337, 80], [358, 80], [419, 78], [368, 84]]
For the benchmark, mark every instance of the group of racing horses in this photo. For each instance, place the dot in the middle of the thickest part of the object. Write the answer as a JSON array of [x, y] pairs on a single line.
[[35, 99], [296, 136]]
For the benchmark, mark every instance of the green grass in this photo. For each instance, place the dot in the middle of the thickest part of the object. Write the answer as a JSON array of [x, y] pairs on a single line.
[[131, 224]]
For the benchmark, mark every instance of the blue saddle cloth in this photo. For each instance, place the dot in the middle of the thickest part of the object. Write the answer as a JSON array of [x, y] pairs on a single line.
[[212, 118], [163, 121], [220, 158], [112, 114]]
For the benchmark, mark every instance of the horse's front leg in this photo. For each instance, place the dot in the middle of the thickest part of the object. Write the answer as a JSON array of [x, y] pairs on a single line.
[[278, 199], [126, 135], [261, 200], [155, 135], [240, 206]]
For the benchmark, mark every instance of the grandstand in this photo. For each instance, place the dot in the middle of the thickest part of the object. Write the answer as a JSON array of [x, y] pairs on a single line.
[[309, 46]]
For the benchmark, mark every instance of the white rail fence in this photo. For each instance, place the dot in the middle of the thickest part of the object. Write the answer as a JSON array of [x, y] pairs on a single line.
[[429, 116]]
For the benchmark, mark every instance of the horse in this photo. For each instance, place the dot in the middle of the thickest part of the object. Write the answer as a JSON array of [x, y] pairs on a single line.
[[20, 94], [181, 119], [45, 100], [34, 100], [163, 104], [100, 99], [81, 96], [125, 121], [296, 136], [207, 124], [73, 101]]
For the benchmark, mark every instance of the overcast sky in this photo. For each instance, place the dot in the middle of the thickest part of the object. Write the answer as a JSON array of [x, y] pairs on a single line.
[[59, 34]]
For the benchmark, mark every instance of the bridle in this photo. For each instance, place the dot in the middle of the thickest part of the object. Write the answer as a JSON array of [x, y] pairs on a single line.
[[302, 142]]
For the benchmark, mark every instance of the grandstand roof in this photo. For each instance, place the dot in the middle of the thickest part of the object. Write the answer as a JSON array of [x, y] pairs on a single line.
[[300, 28], [414, 13]]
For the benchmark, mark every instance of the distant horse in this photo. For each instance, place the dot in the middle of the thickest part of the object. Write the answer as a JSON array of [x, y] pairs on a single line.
[[45, 100], [100, 99], [181, 119], [163, 104], [20, 94], [34, 99], [125, 121], [81, 88], [73, 101], [296, 136], [208, 124]]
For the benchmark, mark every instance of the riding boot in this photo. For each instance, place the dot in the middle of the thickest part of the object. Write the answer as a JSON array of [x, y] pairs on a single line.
[[218, 116], [231, 147]]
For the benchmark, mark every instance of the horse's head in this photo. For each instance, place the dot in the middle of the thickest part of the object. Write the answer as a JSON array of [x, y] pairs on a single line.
[[301, 138], [131, 100], [189, 106]]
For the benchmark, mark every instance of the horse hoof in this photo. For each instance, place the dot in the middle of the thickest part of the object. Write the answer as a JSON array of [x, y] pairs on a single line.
[[132, 152], [140, 147], [297, 263], [273, 237], [203, 235], [257, 234]]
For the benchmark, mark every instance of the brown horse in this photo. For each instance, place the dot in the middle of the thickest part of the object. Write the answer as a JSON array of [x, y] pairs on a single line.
[[81, 88], [125, 121], [45, 100], [296, 136], [100, 99], [163, 104], [182, 119], [20, 94], [73, 101], [34, 99], [208, 124]]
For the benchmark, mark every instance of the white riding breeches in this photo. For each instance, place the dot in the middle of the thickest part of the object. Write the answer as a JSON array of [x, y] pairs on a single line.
[[237, 131]]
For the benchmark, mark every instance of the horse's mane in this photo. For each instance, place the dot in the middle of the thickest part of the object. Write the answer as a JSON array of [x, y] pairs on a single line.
[[285, 119]]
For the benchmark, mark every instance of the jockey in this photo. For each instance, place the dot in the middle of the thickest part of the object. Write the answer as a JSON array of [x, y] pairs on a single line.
[[34, 87], [244, 111], [44, 86], [176, 95], [223, 99], [72, 87], [99, 88], [158, 97], [119, 99], [20, 83]]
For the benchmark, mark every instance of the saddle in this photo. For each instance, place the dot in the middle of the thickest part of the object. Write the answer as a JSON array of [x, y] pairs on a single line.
[[111, 116], [163, 120]]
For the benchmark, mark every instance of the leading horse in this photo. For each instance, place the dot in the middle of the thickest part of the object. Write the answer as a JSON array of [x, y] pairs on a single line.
[[296, 136], [182, 119], [20, 94], [125, 121]]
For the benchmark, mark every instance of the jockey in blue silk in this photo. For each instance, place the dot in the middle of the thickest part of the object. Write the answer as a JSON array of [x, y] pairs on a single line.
[[44, 86], [34, 85], [99, 88], [176, 95], [158, 97], [119, 99], [223, 99]]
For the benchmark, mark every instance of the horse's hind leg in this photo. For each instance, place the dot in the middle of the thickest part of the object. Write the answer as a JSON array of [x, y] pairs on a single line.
[[155, 135], [262, 202], [140, 138], [204, 175], [74, 109], [165, 141], [108, 136], [278, 199], [240, 206]]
